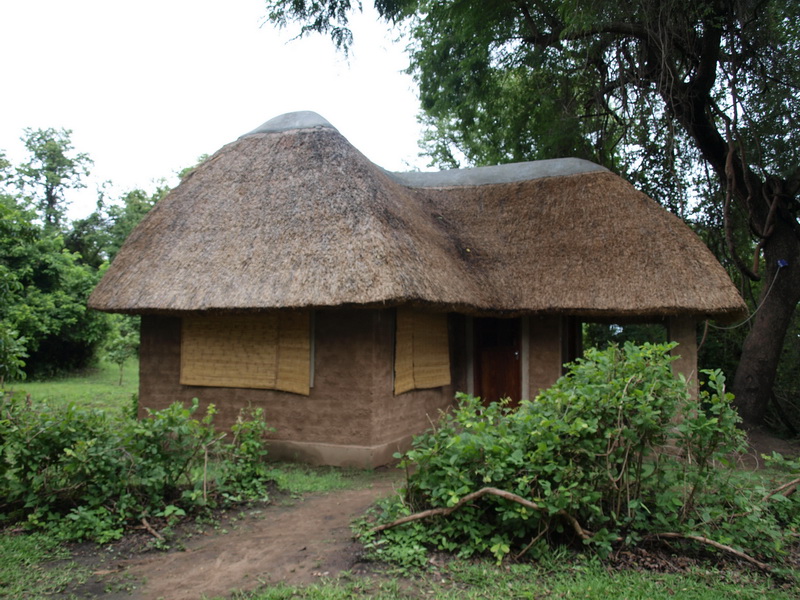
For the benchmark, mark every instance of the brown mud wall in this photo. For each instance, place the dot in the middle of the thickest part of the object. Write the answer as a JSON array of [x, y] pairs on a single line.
[[351, 402]]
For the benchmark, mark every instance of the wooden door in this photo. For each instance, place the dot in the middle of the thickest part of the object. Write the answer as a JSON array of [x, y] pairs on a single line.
[[497, 355]]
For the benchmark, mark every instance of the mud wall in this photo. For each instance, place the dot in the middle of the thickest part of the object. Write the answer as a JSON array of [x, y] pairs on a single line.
[[410, 413], [545, 354], [351, 401]]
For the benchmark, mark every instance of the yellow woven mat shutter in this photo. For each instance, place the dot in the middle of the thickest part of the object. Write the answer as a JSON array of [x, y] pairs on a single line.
[[264, 351], [294, 353], [404, 351], [229, 351], [431, 350], [422, 352]]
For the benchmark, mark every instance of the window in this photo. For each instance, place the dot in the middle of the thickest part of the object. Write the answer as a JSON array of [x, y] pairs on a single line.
[[422, 353], [264, 351]]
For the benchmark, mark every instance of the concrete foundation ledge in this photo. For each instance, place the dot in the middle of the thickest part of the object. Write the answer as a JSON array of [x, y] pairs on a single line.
[[338, 455]]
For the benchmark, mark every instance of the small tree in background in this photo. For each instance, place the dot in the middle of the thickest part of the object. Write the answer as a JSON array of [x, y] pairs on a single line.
[[122, 343]]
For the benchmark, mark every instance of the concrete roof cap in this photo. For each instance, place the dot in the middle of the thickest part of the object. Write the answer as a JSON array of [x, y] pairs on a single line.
[[304, 119]]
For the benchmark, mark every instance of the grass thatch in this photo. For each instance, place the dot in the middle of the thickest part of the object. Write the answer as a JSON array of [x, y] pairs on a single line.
[[300, 218]]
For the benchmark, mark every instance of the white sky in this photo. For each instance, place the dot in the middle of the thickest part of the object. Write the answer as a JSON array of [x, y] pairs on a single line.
[[149, 86]]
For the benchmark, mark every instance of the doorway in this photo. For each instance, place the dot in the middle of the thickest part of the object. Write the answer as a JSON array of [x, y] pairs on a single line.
[[497, 359]]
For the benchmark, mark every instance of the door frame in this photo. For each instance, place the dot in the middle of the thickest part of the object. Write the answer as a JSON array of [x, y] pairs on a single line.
[[525, 353]]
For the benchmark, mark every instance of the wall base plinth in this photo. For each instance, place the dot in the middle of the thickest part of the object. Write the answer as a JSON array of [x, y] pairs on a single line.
[[338, 455]]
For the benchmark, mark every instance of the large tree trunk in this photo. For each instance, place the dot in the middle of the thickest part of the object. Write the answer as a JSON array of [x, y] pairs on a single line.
[[761, 351], [758, 365]]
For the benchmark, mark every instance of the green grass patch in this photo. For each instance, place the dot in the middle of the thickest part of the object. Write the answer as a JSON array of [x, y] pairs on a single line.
[[95, 388], [27, 569], [587, 579], [591, 580], [298, 479]]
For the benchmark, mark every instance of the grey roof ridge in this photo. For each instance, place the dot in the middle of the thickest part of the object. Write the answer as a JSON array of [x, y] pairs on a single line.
[[507, 173]]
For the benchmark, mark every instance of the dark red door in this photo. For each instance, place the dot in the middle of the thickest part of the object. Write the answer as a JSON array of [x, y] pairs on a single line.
[[497, 359]]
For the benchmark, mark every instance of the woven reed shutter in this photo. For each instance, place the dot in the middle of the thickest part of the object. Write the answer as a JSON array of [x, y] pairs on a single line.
[[422, 352], [293, 372], [265, 351], [404, 352]]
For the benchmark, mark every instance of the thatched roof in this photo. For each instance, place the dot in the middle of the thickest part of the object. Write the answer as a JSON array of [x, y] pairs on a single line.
[[291, 215]]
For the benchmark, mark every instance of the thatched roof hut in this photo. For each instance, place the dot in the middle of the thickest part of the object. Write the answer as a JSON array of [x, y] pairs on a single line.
[[288, 271], [298, 217]]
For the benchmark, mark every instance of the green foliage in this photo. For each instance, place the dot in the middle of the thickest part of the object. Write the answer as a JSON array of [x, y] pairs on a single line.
[[99, 236], [12, 347], [122, 341], [48, 268], [614, 452], [45, 293], [298, 479], [51, 169], [600, 335], [12, 355], [85, 474], [246, 472]]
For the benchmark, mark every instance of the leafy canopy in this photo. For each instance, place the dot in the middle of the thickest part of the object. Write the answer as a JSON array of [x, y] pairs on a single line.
[[52, 168]]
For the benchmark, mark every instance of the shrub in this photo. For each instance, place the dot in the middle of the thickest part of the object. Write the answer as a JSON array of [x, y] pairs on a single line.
[[614, 452], [85, 474]]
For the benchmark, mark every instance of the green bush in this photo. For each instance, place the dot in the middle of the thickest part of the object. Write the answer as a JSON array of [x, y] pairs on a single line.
[[87, 474], [614, 452]]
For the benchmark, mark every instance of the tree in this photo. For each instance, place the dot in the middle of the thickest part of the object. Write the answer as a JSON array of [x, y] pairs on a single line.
[[99, 236], [698, 99], [52, 168], [12, 346], [123, 340], [48, 267], [45, 289], [124, 215]]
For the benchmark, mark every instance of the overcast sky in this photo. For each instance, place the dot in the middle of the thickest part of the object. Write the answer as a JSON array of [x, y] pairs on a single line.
[[147, 87]]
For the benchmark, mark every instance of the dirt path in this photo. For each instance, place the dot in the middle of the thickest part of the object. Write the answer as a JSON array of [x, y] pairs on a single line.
[[294, 544]]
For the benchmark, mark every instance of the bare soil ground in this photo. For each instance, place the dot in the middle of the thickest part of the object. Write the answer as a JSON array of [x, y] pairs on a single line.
[[762, 442], [295, 541]]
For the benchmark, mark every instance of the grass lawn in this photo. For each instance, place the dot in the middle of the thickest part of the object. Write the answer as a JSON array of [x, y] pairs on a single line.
[[585, 579], [96, 388], [27, 569]]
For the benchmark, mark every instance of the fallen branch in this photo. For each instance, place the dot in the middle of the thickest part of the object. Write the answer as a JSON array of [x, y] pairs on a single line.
[[791, 484], [487, 491], [709, 542], [152, 531], [532, 542], [788, 488]]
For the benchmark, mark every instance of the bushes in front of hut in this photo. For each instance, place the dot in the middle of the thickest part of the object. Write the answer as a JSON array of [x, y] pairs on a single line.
[[85, 474], [616, 453]]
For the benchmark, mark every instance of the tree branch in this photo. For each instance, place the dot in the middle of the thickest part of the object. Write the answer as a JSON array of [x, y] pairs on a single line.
[[538, 38], [786, 486], [703, 81], [713, 544], [487, 491], [151, 531]]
